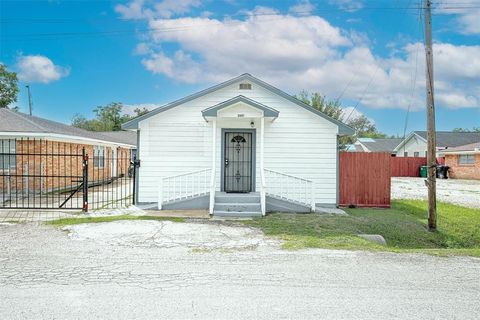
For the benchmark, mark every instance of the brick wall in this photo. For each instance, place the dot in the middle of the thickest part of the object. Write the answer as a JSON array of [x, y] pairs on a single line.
[[462, 171], [54, 166]]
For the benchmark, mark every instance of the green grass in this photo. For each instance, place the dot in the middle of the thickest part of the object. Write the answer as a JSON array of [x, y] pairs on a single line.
[[403, 226], [71, 221]]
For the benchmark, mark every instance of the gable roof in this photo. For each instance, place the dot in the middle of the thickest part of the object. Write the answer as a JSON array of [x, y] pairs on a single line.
[[381, 145], [267, 111], [342, 128], [17, 122], [452, 139], [446, 139]]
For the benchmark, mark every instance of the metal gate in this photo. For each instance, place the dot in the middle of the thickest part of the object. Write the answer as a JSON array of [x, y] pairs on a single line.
[[41, 174], [238, 162]]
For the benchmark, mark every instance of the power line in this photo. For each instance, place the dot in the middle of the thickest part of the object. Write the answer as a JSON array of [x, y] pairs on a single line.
[[373, 76], [363, 93], [414, 81], [56, 35], [241, 14], [355, 75]]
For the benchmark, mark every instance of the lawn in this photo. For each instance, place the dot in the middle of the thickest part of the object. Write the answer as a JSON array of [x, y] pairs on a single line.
[[72, 221], [403, 227]]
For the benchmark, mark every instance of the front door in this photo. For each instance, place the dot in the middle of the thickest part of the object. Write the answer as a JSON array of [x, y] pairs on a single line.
[[238, 161]]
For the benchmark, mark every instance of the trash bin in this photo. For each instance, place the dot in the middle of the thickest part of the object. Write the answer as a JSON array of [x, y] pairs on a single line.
[[442, 172], [423, 171]]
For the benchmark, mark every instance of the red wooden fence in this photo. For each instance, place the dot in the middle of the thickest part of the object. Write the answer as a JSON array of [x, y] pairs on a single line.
[[365, 179], [406, 166]]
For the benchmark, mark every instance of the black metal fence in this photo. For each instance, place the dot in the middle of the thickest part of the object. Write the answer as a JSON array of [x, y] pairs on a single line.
[[41, 174]]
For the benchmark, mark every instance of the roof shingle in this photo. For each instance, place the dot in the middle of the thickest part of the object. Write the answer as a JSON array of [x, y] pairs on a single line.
[[452, 139], [11, 121]]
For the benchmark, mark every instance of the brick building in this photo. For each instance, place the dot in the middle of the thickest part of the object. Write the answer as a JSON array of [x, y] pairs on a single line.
[[464, 161], [40, 156]]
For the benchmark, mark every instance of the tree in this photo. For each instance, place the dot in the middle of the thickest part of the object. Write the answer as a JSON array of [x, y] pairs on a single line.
[[110, 116], [331, 108], [364, 128], [80, 121], [107, 118], [8, 87], [474, 129], [140, 112]]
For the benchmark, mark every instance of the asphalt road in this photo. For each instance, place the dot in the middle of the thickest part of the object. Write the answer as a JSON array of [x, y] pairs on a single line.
[[47, 274]]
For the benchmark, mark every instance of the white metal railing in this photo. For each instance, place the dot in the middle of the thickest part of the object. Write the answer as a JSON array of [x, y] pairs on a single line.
[[263, 190], [212, 193], [184, 186], [290, 188]]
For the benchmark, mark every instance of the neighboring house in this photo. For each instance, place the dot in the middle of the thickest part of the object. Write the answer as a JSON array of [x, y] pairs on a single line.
[[376, 145], [36, 152], [415, 145], [242, 147], [464, 161]]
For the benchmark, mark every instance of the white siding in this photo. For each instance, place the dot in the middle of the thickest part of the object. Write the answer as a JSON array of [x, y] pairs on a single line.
[[179, 140], [414, 144]]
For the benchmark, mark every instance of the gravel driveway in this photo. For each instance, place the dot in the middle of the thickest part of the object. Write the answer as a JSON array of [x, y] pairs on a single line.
[[164, 270], [462, 192]]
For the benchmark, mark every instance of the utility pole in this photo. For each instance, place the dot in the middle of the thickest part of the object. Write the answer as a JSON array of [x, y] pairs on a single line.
[[431, 153], [30, 103]]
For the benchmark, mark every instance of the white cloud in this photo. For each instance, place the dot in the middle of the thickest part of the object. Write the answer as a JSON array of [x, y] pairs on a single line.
[[168, 8], [141, 9], [348, 5], [133, 10], [37, 68], [142, 48], [307, 52], [352, 113], [285, 43], [303, 7], [467, 14]]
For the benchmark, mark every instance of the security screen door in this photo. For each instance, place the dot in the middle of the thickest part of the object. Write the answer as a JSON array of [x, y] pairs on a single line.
[[238, 162]]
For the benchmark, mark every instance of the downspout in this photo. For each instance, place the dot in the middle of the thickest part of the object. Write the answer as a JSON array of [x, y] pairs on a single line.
[[137, 169]]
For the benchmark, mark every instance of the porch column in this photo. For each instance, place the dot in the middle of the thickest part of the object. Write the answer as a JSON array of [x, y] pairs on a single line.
[[212, 178], [262, 171]]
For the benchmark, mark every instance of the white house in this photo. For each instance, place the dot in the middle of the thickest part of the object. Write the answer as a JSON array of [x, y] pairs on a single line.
[[415, 145], [242, 147]]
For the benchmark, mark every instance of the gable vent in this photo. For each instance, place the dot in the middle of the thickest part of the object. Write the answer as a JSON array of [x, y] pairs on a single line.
[[245, 86]]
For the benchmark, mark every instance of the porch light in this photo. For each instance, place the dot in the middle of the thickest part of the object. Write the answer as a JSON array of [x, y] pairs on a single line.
[[252, 124]]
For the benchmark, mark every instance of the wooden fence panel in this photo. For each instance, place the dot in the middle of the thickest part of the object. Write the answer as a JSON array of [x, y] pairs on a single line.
[[407, 166], [365, 179]]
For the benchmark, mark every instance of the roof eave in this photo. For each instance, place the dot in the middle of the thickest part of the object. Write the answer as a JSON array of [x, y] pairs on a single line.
[[267, 111]]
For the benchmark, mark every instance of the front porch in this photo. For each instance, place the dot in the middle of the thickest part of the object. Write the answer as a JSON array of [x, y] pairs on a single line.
[[237, 183]]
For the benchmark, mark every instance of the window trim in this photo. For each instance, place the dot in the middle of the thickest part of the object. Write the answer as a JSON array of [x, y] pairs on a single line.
[[468, 156], [8, 146], [99, 157]]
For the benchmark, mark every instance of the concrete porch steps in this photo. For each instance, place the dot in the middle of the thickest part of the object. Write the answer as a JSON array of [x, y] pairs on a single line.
[[237, 204]]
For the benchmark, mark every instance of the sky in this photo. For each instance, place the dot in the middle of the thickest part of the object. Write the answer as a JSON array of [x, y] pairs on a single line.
[[369, 54]]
